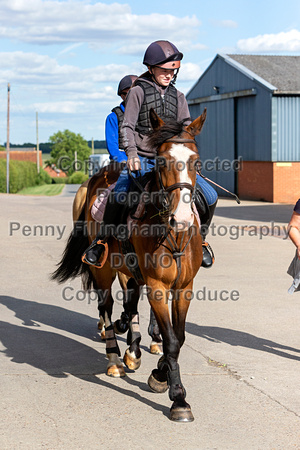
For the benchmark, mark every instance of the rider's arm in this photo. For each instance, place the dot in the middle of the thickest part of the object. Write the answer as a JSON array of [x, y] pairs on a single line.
[[183, 112], [134, 100], [112, 138]]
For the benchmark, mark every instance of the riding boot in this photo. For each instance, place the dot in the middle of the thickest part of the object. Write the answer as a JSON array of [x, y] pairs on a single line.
[[208, 254], [110, 220]]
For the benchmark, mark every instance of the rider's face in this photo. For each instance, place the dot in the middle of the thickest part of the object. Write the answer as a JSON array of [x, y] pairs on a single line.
[[163, 76]]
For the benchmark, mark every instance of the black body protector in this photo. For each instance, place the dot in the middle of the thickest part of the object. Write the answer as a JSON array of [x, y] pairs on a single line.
[[165, 107], [120, 116]]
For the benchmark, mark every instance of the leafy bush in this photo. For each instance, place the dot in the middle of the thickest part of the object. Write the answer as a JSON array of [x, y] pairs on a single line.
[[59, 180], [77, 178], [21, 174], [44, 178]]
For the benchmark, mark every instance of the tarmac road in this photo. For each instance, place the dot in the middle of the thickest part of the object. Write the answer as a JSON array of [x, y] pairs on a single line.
[[239, 364]]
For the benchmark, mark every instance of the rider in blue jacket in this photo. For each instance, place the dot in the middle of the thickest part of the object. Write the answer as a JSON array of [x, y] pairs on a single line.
[[114, 120]]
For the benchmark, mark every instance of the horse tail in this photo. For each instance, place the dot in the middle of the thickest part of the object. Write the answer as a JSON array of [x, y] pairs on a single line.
[[71, 265]]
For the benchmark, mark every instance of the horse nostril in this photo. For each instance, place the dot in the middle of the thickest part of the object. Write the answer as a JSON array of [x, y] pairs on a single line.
[[172, 222]]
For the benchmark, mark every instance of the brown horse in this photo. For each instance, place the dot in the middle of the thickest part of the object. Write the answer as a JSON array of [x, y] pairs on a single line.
[[121, 325], [167, 251]]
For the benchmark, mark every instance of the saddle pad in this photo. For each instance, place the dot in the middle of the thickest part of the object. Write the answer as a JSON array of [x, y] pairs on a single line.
[[99, 205]]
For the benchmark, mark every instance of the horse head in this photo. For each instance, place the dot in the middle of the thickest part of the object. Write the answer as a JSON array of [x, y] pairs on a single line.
[[177, 155]]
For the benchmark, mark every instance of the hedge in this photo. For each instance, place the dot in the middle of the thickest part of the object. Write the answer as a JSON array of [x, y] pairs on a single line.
[[21, 174], [77, 178]]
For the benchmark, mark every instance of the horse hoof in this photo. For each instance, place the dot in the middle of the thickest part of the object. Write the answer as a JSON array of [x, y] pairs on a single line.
[[156, 348], [157, 386], [115, 371], [120, 327], [131, 362], [183, 414]]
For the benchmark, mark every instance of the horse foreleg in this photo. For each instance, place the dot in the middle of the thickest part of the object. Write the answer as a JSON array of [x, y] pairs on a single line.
[[121, 325], [180, 306], [168, 372], [181, 410], [132, 357]]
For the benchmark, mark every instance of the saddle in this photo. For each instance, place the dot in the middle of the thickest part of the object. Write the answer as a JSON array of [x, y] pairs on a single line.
[[133, 210]]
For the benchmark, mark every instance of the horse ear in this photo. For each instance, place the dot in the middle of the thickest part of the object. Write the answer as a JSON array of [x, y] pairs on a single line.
[[196, 126], [155, 120]]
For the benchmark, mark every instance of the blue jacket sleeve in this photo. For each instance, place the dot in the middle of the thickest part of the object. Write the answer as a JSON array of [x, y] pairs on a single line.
[[112, 138]]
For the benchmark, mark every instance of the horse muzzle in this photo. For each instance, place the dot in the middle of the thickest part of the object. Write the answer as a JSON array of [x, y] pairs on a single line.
[[181, 224]]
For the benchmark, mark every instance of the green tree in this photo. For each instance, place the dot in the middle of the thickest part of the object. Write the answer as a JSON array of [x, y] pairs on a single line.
[[64, 144]]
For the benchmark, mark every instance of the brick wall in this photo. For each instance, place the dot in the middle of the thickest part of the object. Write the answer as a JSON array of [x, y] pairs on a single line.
[[23, 156], [269, 181], [287, 182]]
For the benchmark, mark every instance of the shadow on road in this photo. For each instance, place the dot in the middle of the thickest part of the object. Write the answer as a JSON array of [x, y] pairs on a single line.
[[241, 339], [262, 213], [60, 356]]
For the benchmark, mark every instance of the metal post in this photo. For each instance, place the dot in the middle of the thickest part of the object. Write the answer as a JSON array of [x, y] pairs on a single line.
[[7, 140], [75, 161], [37, 144]]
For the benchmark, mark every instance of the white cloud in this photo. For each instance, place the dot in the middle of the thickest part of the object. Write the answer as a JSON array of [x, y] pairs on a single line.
[[65, 107], [53, 22], [32, 68], [70, 48], [282, 42], [189, 72], [198, 47], [224, 23]]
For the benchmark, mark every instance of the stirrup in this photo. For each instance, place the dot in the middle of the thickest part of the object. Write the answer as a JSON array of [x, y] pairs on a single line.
[[103, 257], [208, 255]]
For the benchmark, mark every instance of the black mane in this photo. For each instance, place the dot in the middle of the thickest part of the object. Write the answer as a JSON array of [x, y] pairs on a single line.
[[167, 131]]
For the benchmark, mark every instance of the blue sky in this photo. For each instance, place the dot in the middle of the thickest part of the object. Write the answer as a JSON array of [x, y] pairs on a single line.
[[64, 59]]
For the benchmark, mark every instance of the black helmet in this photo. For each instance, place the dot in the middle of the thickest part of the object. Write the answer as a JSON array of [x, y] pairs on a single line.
[[126, 83], [163, 54]]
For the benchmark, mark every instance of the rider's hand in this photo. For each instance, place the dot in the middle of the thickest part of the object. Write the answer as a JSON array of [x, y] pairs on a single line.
[[134, 163]]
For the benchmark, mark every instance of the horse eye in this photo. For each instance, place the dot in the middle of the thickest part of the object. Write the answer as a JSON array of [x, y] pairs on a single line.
[[197, 165]]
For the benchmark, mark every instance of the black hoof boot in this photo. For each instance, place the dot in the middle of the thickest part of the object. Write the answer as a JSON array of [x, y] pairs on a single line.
[[208, 255]]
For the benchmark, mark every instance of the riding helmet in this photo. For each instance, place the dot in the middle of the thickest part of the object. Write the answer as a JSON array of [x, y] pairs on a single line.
[[163, 54], [126, 83]]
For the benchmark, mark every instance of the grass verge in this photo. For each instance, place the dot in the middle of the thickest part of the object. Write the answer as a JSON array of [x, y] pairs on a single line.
[[45, 189]]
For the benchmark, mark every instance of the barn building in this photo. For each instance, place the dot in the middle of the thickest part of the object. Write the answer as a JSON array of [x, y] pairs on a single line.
[[250, 143]]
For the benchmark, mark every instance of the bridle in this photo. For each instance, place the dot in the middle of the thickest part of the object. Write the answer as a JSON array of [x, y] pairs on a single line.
[[176, 249], [180, 185]]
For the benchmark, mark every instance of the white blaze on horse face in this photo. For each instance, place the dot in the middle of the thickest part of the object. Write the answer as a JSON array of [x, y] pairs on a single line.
[[183, 215]]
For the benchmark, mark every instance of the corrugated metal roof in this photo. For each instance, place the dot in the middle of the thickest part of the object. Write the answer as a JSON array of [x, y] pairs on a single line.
[[281, 71]]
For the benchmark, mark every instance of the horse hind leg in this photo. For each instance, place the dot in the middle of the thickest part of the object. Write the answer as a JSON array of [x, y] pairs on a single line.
[[153, 331], [102, 281], [133, 355], [114, 367], [101, 327]]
